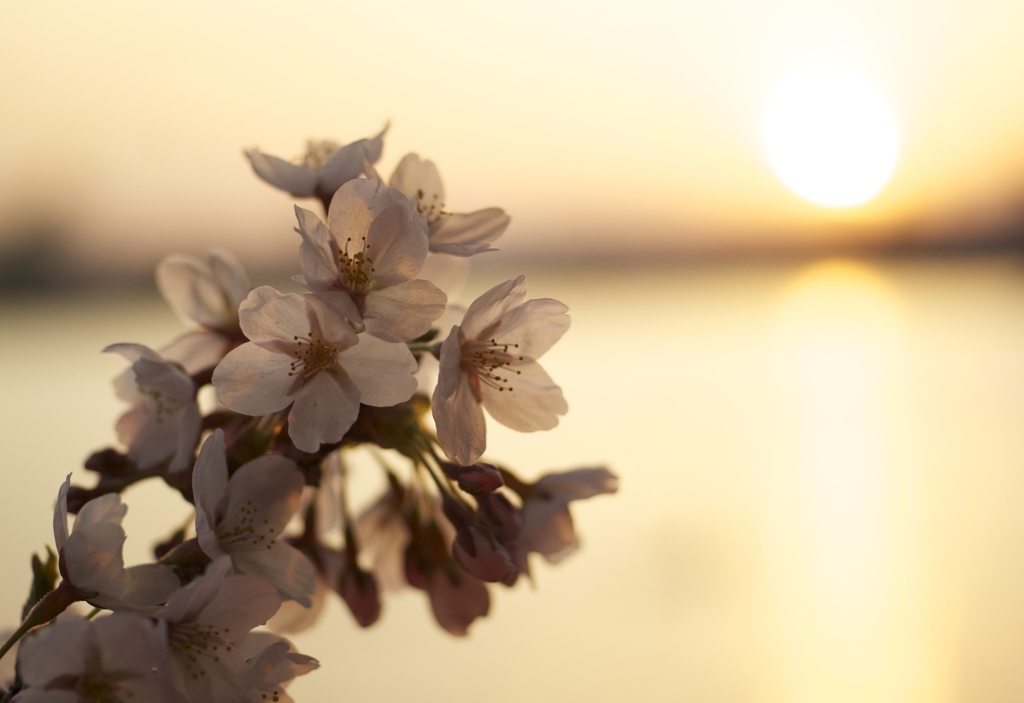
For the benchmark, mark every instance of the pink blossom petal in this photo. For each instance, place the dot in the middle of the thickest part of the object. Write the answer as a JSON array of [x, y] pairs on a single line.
[[255, 381], [324, 410], [381, 371], [222, 609], [209, 486], [347, 162], [418, 179], [148, 585], [49, 652], [353, 208], [470, 233], [132, 352], [459, 418], [457, 600], [490, 306], [267, 490], [548, 530], [318, 253], [197, 350], [285, 567], [92, 556], [397, 241], [579, 483], [532, 402], [403, 311], [332, 312], [206, 292], [231, 277], [269, 318], [60, 515], [297, 180], [534, 326], [105, 508]]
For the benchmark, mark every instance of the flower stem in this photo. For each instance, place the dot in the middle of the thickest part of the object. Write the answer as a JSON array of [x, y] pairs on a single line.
[[49, 606]]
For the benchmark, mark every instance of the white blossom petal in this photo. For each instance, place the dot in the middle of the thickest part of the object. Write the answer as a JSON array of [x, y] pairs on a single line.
[[209, 488], [468, 234], [397, 242], [206, 292], [254, 381], [458, 415], [403, 311], [381, 371], [531, 401], [297, 180], [420, 180], [284, 566], [324, 410], [60, 515], [534, 326], [491, 305], [197, 350], [347, 162], [318, 253]]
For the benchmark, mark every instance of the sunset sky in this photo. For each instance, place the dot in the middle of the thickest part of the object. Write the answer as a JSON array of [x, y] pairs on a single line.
[[599, 125]]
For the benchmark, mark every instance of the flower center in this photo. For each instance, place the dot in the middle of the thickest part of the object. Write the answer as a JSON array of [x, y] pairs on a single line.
[[245, 530], [163, 407], [355, 270], [487, 359], [317, 154], [97, 687], [190, 641], [433, 209], [311, 356]]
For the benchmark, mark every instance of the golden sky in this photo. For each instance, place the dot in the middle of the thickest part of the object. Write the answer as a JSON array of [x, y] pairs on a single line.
[[607, 125]]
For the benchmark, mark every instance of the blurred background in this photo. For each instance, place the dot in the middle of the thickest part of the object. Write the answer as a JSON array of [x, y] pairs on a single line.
[[815, 410]]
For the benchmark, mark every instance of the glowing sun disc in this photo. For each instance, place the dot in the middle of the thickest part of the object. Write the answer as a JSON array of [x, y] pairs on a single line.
[[830, 137]]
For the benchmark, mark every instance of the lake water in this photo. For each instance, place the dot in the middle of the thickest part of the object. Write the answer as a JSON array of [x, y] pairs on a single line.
[[821, 489]]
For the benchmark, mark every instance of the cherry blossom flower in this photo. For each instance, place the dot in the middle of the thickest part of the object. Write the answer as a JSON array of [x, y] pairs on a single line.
[[370, 251], [450, 233], [206, 292], [490, 362], [547, 527], [116, 658], [407, 547], [274, 666], [304, 354], [202, 624], [164, 421], [321, 170], [457, 597], [91, 556], [244, 517]]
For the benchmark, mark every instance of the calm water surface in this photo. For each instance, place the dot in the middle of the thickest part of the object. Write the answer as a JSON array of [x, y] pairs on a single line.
[[821, 486]]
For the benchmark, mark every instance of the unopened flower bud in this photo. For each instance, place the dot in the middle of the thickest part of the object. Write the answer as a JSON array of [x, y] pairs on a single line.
[[478, 552], [415, 569], [504, 519], [359, 590], [458, 513], [476, 479]]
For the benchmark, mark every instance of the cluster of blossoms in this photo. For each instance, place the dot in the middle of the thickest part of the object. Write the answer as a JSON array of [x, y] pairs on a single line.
[[302, 380]]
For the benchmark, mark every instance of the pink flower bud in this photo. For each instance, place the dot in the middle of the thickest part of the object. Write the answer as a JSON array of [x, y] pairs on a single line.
[[479, 553], [359, 591]]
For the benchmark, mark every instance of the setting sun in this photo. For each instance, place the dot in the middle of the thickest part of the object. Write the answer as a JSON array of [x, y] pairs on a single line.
[[830, 137]]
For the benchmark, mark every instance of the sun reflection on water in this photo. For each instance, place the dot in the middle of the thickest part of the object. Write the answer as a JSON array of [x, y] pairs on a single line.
[[847, 526]]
